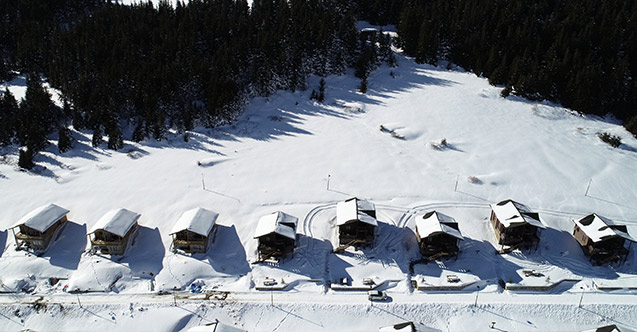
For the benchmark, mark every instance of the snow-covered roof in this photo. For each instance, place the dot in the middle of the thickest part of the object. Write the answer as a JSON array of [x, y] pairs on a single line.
[[118, 222], [270, 224], [598, 228], [352, 210], [435, 222], [282, 218], [511, 214], [198, 220], [43, 217]]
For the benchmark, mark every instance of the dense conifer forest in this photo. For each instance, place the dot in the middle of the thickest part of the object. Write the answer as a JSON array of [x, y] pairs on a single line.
[[157, 68]]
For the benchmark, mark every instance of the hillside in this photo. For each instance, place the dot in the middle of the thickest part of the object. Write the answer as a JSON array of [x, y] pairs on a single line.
[[289, 153]]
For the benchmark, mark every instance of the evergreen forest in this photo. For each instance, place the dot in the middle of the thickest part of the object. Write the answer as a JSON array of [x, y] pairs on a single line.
[[155, 68]]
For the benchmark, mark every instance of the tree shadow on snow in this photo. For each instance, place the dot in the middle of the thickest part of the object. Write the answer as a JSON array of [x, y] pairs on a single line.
[[196, 141], [67, 247], [276, 122], [227, 254], [3, 241], [43, 158], [41, 171], [408, 75], [146, 252], [82, 148], [271, 121]]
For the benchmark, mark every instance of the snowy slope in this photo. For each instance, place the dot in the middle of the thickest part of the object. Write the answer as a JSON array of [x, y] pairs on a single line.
[[290, 154]]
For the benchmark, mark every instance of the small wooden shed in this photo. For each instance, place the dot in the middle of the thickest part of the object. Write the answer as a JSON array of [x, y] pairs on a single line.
[[356, 221], [276, 234], [602, 239], [438, 235], [111, 233], [515, 225], [36, 228], [368, 34], [193, 229]]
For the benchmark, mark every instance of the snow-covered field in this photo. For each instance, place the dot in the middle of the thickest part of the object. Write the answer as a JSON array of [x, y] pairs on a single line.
[[288, 153]]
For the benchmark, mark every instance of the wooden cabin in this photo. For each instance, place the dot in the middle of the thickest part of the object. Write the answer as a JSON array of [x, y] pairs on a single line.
[[438, 235], [35, 229], [276, 234], [515, 225], [368, 34], [111, 233], [356, 221], [193, 229], [602, 240]]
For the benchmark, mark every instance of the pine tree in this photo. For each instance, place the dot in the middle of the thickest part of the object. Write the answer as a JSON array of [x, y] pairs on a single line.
[[25, 159], [38, 116], [77, 119], [97, 138], [65, 140], [115, 139], [363, 86], [8, 117], [139, 133], [321, 94]]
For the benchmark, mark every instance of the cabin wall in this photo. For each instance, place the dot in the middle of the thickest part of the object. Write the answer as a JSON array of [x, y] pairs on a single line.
[[581, 237], [511, 236], [610, 250], [36, 240], [498, 228], [356, 231], [190, 242], [436, 244], [115, 247], [274, 245]]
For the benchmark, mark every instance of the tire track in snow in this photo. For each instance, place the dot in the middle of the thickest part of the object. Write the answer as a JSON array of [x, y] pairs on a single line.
[[282, 320]]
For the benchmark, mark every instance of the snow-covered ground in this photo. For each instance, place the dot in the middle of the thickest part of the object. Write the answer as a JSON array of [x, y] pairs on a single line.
[[290, 154]]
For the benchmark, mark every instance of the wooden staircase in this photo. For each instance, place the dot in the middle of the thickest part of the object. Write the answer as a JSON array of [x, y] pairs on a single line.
[[342, 247]]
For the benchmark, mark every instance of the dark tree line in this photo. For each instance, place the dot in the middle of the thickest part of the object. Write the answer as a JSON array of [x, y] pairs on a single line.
[[154, 68], [582, 54]]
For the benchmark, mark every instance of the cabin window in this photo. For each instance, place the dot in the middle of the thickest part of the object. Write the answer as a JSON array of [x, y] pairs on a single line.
[[106, 236], [29, 231]]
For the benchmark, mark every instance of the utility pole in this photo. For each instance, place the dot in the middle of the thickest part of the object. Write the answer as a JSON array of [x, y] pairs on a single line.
[[579, 305], [588, 187], [475, 304], [78, 300], [328, 182], [203, 184], [456, 187]]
